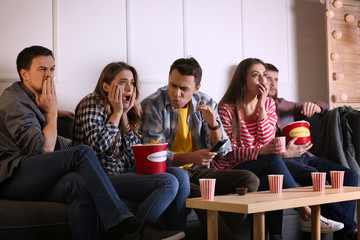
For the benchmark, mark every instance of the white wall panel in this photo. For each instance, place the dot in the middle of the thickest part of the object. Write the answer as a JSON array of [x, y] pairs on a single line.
[[214, 37], [22, 25], [266, 26], [156, 40], [91, 35], [151, 34]]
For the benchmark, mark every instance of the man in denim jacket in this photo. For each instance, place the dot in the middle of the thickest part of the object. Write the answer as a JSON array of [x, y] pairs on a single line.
[[187, 119]]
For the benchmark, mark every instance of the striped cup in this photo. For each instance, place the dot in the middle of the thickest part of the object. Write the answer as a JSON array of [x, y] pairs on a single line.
[[276, 183], [318, 180], [207, 188], [337, 179]]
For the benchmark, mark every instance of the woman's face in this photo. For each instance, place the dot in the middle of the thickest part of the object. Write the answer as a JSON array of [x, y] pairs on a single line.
[[256, 75], [125, 80]]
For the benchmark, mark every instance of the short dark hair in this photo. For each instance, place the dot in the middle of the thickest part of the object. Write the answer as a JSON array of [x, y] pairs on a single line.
[[271, 67], [26, 56], [188, 66]]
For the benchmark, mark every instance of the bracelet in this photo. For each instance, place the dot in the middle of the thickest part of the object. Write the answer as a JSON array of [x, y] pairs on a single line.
[[216, 127]]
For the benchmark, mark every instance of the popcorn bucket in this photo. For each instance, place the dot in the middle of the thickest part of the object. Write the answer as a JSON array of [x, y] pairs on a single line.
[[300, 129], [150, 158]]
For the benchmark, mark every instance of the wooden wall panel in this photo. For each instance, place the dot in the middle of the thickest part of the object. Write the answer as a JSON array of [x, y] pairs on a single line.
[[346, 90]]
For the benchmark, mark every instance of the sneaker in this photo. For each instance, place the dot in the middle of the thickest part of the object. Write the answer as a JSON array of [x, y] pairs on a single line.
[[149, 231], [327, 225]]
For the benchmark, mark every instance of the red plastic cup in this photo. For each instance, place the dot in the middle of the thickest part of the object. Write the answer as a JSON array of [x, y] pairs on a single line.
[[276, 183], [318, 180], [207, 188], [337, 179], [283, 143], [150, 158]]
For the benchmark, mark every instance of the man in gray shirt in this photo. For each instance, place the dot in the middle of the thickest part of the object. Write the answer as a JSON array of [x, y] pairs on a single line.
[[30, 169]]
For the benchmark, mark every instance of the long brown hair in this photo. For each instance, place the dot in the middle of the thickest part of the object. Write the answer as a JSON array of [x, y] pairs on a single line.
[[236, 91], [107, 76]]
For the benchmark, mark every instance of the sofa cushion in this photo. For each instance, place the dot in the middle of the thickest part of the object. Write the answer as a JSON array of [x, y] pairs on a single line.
[[26, 214]]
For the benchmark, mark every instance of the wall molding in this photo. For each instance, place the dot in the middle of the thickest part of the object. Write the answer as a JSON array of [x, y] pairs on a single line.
[[55, 46], [55, 38]]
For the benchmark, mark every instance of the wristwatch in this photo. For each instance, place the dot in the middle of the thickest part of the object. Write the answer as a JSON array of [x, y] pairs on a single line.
[[216, 127]]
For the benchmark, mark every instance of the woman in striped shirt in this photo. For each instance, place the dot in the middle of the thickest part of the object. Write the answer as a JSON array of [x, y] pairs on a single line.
[[249, 118]]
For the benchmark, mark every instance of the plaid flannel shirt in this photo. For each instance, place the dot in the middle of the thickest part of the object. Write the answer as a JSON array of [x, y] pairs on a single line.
[[160, 121], [92, 127]]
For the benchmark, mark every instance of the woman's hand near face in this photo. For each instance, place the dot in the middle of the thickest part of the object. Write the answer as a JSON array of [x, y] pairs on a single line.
[[115, 99], [264, 91], [132, 103], [124, 118]]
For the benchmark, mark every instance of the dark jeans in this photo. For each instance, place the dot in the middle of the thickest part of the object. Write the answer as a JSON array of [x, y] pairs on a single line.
[[75, 177], [226, 182], [301, 169], [156, 193], [262, 167]]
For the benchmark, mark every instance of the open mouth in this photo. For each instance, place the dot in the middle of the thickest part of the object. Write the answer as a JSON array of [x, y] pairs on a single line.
[[127, 98]]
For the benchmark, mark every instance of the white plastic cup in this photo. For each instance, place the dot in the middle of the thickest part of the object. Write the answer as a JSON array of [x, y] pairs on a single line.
[[337, 179], [276, 183], [318, 180], [207, 188], [283, 143]]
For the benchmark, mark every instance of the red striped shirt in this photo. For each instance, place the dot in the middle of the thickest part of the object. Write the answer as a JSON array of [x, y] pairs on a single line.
[[253, 135]]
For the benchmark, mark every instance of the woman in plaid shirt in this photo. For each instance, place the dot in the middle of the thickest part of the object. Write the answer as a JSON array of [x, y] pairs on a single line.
[[109, 120]]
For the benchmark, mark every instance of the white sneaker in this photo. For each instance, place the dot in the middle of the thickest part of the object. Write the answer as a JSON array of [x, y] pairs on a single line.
[[327, 225]]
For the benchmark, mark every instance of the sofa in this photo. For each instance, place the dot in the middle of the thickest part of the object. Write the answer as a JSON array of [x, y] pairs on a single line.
[[48, 220]]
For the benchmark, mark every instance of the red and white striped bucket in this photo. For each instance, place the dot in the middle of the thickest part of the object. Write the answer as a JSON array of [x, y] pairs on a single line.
[[207, 188], [337, 179], [318, 180], [276, 183]]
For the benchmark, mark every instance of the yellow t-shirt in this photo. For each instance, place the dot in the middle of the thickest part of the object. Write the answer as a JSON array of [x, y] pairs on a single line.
[[183, 142]]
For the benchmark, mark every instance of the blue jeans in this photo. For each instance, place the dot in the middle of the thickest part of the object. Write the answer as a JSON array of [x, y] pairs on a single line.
[[301, 169], [75, 177], [156, 192], [262, 167]]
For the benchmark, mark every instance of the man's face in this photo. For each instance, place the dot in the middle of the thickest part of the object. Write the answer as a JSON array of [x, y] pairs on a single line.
[[181, 89], [42, 67], [273, 78]]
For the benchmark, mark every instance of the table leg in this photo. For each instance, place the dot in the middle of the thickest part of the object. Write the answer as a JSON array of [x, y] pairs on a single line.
[[358, 218], [315, 223], [259, 226], [212, 225]]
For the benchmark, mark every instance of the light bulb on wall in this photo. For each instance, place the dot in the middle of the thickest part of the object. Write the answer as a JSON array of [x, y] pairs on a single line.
[[341, 97], [334, 56], [349, 18], [337, 4], [337, 34], [330, 13], [338, 76]]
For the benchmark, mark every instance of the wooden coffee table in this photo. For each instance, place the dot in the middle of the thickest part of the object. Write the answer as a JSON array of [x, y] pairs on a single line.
[[257, 203]]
